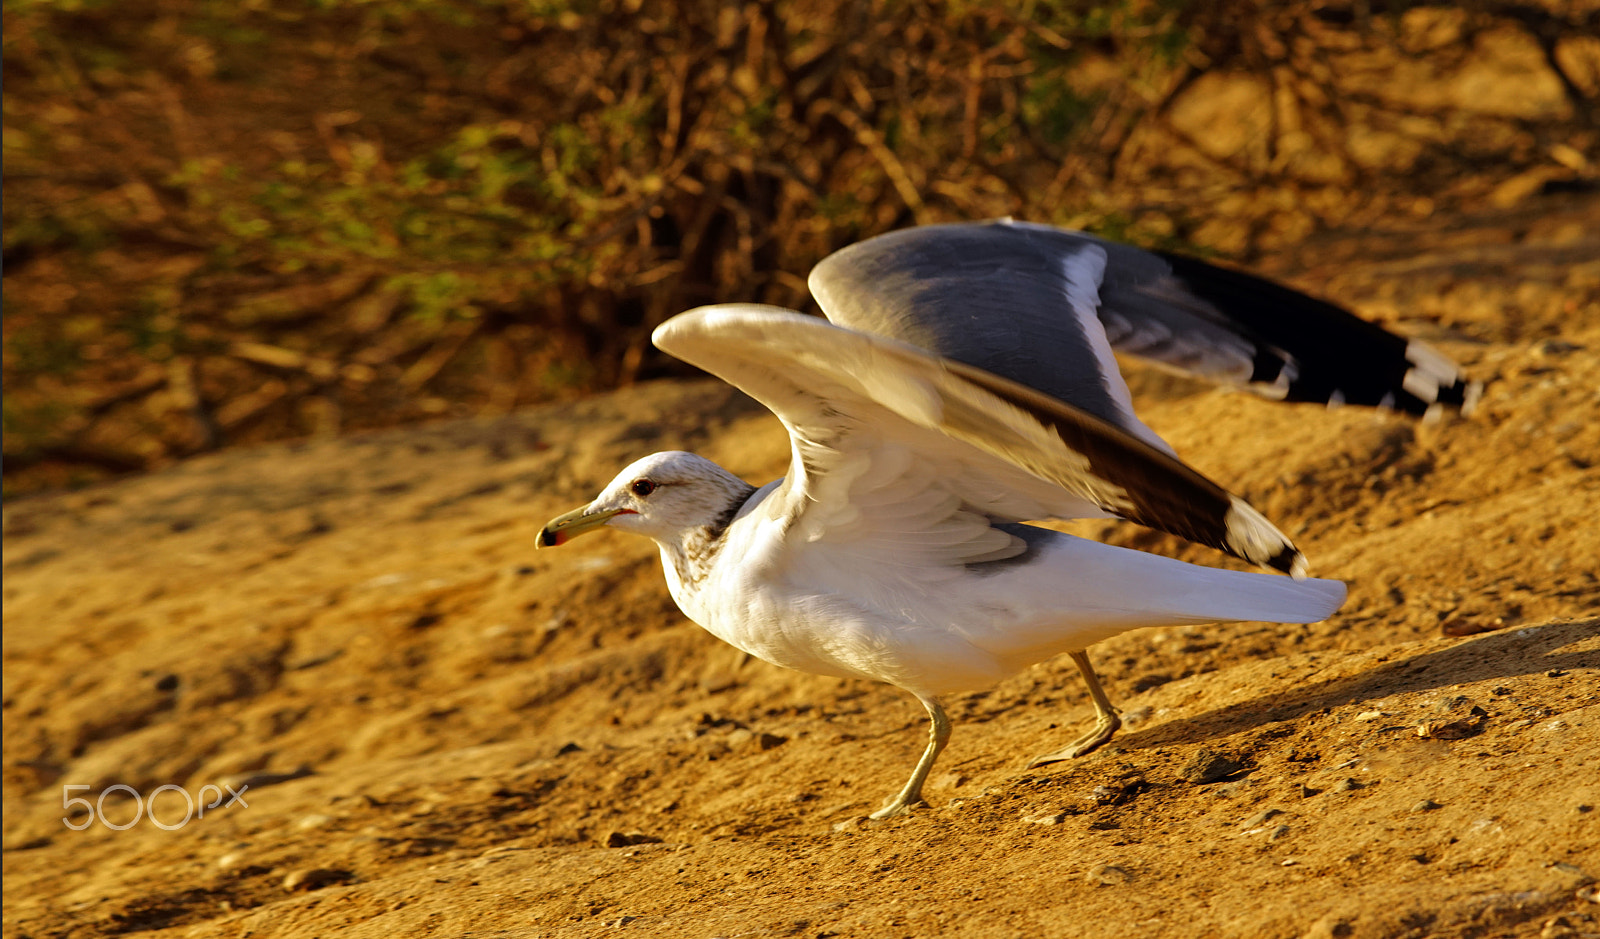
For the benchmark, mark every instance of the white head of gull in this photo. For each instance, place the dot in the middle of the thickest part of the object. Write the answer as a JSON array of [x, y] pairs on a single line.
[[963, 385]]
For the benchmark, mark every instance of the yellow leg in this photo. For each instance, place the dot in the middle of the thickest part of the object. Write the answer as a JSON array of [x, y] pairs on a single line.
[[938, 736], [1106, 720]]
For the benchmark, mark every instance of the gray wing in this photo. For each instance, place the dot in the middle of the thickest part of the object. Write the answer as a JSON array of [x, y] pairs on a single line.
[[862, 409], [1044, 307]]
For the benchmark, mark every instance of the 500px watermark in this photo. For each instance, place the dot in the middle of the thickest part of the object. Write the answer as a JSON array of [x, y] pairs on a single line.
[[193, 807]]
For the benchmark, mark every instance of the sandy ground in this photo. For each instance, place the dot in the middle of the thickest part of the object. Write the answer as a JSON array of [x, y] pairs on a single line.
[[444, 733]]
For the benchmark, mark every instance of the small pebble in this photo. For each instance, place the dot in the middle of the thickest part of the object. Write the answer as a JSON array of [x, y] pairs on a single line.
[[308, 822], [1054, 818], [1450, 730], [1122, 792], [1329, 927], [1208, 766], [1106, 875], [230, 860], [1279, 833], [315, 879], [622, 839], [1466, 626], [1307, 792], [1346, 785], [1105, 795], [1256, 821], [1134, 717], [1426, 805], [262, 779]]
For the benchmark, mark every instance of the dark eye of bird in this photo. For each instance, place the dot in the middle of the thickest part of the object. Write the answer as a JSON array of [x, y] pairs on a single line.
[[643, 487]]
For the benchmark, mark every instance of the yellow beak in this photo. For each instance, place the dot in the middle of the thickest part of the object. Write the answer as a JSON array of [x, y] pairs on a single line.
[[564, 528]]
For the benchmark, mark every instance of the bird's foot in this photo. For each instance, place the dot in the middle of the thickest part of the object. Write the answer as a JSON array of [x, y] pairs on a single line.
[[1104, 729], [896, 807]]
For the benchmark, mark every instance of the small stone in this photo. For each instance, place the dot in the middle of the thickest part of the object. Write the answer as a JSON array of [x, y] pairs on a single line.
[[231, 860], [1466, 626], [1208, 766], [308, 822], [739, 738], [622, 839], [767, 741], [1459, 729], [315, 879], [1443, 730], [849, 824], [1307, 792], [1329, 927], [1105, 875], [1133, 717], [261, 779], [1426, 805], [1279, 833], [568, 747], [1121, 792], [1346, 785], [1052, 818], [1370, 715], [951, 781], [1256, 821]]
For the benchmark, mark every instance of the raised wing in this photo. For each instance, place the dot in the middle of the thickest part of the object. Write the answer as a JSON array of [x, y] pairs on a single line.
[[1006, 452], [1043, 306]]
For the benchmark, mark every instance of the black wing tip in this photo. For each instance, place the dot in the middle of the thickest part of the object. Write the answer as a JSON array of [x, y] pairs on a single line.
[[1290, 561], [1313, 350]]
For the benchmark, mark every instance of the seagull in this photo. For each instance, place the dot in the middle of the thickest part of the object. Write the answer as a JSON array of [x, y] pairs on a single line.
[[962, 386]]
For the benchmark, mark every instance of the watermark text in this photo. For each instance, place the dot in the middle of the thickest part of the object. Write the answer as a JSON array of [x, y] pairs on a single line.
[[192, 806]]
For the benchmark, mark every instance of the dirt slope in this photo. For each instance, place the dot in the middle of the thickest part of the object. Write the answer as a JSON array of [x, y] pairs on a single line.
[[510, 744]]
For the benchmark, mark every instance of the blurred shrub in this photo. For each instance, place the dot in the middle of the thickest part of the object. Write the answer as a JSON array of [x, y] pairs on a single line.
[[231, 221]]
